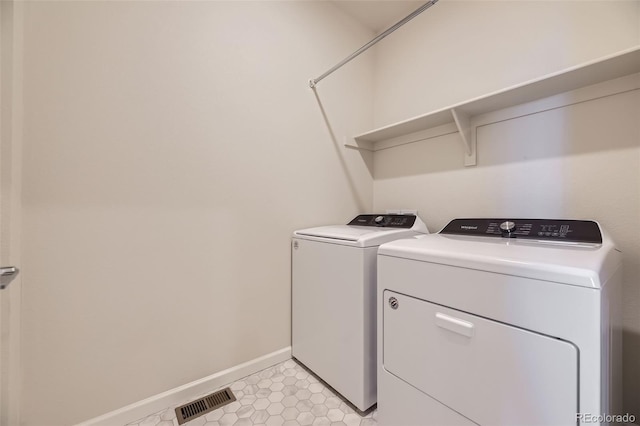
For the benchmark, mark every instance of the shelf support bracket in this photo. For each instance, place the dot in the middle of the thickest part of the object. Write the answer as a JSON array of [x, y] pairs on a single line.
[[467, 135], [359, 145]]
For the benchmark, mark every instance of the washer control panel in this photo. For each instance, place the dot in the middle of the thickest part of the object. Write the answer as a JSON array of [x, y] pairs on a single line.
[[384, 220], [582, 231]]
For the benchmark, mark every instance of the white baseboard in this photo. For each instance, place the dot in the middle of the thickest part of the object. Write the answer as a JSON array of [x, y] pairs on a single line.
[[184, 393]]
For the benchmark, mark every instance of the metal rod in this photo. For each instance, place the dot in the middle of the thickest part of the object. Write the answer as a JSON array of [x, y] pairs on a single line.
[[427, 5]]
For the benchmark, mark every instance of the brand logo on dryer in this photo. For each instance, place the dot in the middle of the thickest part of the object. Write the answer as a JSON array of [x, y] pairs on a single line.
[[470, 227], [393, 302]]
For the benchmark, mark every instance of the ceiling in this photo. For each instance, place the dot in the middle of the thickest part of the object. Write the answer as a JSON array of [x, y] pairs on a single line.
[[378, 15]]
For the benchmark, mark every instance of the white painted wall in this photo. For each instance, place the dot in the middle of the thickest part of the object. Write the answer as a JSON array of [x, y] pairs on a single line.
[[170, 149], [581, 161], [461, 49]]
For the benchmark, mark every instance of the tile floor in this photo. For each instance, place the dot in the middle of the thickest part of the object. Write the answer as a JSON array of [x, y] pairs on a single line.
[[285, 394]]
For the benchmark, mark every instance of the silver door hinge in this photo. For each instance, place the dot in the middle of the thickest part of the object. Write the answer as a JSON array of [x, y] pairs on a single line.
[[7, 273]]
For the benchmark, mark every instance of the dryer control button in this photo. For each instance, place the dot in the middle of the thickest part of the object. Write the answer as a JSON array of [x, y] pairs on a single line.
[[508, 228]]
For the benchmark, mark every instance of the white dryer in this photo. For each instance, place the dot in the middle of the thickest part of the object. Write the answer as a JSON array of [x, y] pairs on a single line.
[[334, 300], [500, 322]]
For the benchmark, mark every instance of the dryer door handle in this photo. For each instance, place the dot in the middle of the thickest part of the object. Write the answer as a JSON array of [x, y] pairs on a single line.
[[454, 324]]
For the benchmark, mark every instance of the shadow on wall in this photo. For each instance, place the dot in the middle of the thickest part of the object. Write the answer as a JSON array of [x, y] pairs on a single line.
[[583, 128], [434, 155], [367, 157], [631, 373]]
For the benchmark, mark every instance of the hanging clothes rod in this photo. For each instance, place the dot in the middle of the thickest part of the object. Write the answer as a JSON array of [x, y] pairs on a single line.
[[418, 11]]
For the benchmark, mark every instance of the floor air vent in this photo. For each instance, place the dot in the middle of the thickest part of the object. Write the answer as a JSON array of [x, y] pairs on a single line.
[[204, 405]]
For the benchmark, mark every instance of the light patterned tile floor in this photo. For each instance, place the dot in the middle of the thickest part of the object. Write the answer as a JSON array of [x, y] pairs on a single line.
[[283, 395]]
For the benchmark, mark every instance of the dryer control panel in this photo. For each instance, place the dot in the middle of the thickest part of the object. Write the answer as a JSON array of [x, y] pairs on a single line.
[[384, 220], [581, 231]]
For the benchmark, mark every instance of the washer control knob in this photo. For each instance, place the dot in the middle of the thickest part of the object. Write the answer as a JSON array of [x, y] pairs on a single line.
[[507, 228], [379, 220]]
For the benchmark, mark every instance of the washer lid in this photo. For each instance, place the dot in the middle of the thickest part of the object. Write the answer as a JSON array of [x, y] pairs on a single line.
[[359, 236], [585, 265], [340, 232], [367, 230]]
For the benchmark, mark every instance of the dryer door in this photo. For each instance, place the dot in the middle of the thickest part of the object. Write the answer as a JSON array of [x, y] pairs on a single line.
[[487, 371]]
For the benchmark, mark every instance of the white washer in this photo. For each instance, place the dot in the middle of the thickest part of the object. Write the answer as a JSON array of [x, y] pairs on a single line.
[[334, 299], [476, 328]]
